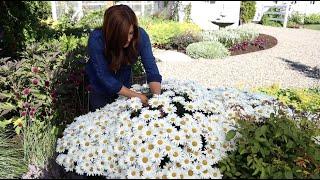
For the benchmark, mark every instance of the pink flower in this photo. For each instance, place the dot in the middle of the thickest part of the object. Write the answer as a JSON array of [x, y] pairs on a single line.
[[35, 69], [23, 113], [32, 113], [35, 81], [26, 91]]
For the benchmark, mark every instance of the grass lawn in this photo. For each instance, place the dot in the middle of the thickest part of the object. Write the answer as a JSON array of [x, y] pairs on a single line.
[[312, 26]]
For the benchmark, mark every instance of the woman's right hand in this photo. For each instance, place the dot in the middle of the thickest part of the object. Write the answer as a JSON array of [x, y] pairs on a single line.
[[143, 98]]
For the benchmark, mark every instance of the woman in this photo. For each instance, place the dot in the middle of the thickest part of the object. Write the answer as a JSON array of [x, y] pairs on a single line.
[[112, 52]]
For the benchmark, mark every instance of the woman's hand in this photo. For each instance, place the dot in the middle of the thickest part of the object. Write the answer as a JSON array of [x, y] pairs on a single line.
[[155, 87], [143, 98], [124, 91]]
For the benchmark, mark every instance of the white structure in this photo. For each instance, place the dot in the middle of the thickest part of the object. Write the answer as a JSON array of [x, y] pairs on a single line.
[[302, 7], [204, 12]]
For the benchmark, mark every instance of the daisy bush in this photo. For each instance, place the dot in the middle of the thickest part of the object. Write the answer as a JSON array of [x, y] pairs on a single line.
[[182, 133]]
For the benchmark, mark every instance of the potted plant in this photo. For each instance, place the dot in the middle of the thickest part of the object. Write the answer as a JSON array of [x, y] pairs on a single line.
[[138, 73]]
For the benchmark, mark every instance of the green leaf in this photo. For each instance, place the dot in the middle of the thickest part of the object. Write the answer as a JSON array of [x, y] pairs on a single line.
[[7, 106], [4, 123], [5, 95], [288, 174], [230, 135], [18, 129]]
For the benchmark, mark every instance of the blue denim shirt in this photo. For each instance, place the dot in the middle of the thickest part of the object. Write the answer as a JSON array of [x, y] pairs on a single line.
[[102, 79]]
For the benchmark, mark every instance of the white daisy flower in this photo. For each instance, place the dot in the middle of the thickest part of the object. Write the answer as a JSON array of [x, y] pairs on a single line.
[[61, 158], [144, 160], [168, 147], [135, 106], [169, 129], [186, 161], [190, 106], [146, 115], [156, 114], [173, 118], [173, 173], [190, 174], [130, 158], [139, 126], [142, 149], [159, 142], [79, 170], [215, 173], [178, 99], [86, 143], [178, 137], [156, 156], [154, 102], [154, 124], [175, 154], [199, 116], [134, 141], [148, 133], [195, 144]]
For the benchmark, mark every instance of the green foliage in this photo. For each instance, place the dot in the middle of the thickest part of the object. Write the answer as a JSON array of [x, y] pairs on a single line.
[[266, 18], [312, 19], [207, 50], [93, 19], [22, 23], [280, 148], [52, 77], [39, 142], [247, 11], [187, 13], [299, 99], [162, 33], [296, 18], [230, 37], [12, 164]]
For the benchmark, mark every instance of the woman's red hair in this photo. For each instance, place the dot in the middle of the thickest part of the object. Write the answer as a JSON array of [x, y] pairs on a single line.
[[116, 26]]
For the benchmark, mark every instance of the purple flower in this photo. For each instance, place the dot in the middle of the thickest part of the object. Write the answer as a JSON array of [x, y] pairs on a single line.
[[46, 83], [35, 81], [26, 91]]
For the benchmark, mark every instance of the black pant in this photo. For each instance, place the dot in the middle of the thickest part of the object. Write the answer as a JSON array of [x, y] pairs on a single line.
[[100, 100]]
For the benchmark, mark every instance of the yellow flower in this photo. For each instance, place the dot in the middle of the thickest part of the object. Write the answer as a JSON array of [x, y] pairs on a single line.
[[18, 122]]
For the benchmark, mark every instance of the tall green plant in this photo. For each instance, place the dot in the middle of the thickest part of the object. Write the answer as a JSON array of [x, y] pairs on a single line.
[[22, 23], [247, 11]]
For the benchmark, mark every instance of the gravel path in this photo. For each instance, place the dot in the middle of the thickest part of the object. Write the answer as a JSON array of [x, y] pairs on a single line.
[[293, 62]]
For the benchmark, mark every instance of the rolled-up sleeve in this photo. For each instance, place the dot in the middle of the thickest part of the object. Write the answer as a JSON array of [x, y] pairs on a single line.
[[95, 50], [148, 60]]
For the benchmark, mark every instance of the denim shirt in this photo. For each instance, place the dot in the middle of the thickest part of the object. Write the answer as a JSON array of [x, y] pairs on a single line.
[[102, 79]]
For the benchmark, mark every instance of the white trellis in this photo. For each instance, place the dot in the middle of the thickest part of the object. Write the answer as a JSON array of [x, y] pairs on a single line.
[[284, 13]]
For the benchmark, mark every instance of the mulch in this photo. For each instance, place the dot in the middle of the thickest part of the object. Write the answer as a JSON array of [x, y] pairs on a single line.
[[269, 42]]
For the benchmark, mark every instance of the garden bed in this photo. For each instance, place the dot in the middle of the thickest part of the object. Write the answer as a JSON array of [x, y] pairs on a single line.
[[261, 43]]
